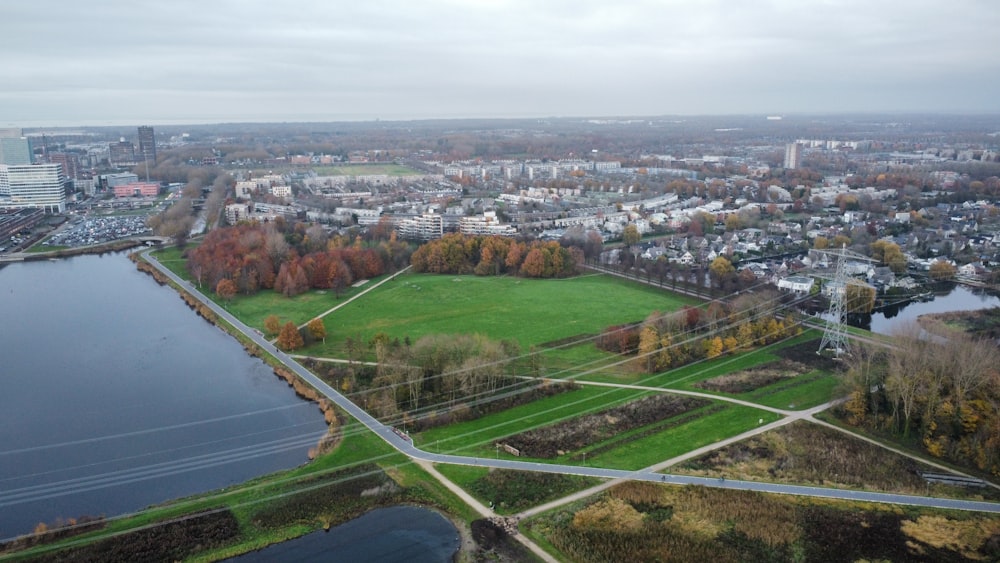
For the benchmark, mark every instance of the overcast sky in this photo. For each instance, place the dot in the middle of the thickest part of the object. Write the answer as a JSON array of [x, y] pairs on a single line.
[[182, 61]]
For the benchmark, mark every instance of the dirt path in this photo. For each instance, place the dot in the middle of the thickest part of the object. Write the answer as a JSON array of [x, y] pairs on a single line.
[[482, 509]]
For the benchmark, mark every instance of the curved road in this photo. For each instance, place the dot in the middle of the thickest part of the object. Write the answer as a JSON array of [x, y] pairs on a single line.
[[406, 446]]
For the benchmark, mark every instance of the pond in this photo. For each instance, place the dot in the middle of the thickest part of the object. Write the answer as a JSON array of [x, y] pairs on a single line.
[[398, 533], [959, 298]]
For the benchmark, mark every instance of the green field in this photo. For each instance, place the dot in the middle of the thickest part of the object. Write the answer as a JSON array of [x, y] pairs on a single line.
[[366, 170], [532, 312]]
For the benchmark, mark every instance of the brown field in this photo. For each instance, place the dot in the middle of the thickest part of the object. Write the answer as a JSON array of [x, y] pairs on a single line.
[[648, 522], [806, 453], [754, 378]]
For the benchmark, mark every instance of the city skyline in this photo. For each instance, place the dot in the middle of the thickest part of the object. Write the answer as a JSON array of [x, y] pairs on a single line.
[[115, 63]]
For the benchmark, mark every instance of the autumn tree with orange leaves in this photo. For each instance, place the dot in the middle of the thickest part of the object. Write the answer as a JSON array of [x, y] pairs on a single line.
[[290, 259], [289, 338]]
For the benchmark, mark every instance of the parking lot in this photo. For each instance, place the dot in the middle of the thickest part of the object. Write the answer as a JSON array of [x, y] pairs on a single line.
[[85, 232]]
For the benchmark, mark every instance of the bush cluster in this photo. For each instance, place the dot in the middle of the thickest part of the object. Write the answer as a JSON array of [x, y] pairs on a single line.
[[169, 542]]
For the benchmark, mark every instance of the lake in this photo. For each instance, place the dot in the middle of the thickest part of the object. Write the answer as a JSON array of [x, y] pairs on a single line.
[[114, 395]]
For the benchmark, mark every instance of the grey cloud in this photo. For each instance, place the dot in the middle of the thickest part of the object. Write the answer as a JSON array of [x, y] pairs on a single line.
[[116, 60]]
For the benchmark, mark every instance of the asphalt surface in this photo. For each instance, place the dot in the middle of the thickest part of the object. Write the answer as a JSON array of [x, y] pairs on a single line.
[[405, 446]]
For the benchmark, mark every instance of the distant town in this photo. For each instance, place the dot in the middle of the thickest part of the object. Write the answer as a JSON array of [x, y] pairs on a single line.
[[761, 192]]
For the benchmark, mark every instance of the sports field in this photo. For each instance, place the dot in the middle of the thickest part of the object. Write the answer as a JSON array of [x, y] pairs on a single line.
[[366, 170]]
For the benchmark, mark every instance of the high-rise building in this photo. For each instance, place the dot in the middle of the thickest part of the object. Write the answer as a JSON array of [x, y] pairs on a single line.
[[14, 147], [793, 155], [147, 144], [33, 185], [70, 163], [122, 153]]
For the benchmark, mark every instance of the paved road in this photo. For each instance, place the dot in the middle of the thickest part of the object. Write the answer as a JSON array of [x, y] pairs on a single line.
[[405, 446]]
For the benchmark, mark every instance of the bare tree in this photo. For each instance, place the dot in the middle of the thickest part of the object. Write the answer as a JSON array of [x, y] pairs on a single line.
[[909, 374]]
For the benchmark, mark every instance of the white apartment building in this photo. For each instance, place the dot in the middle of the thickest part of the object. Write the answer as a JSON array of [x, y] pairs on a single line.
[[33, 185], [793, 155], [428, 226], [236, 212], [485, 224], [245, 188]]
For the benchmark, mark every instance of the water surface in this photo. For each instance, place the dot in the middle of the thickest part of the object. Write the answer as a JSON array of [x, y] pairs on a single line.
[[115, 395], [398, 533]]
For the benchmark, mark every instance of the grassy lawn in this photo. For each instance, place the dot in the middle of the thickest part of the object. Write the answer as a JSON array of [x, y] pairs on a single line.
[[586, 362], [477, 437], [39, 247], [253, 309], [533, 312], [366, 170], [172, 258], [704, 430], [805, 391]]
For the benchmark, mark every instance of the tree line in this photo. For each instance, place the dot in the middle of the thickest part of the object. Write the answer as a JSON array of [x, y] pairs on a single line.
[[495, 255], [664, 341], [288, 258]]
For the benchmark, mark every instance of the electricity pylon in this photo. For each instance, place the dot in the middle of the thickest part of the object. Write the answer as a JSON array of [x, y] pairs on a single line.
[[835, 335]]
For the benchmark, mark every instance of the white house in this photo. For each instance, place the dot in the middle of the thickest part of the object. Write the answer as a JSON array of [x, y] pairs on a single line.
[[796, 284]]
